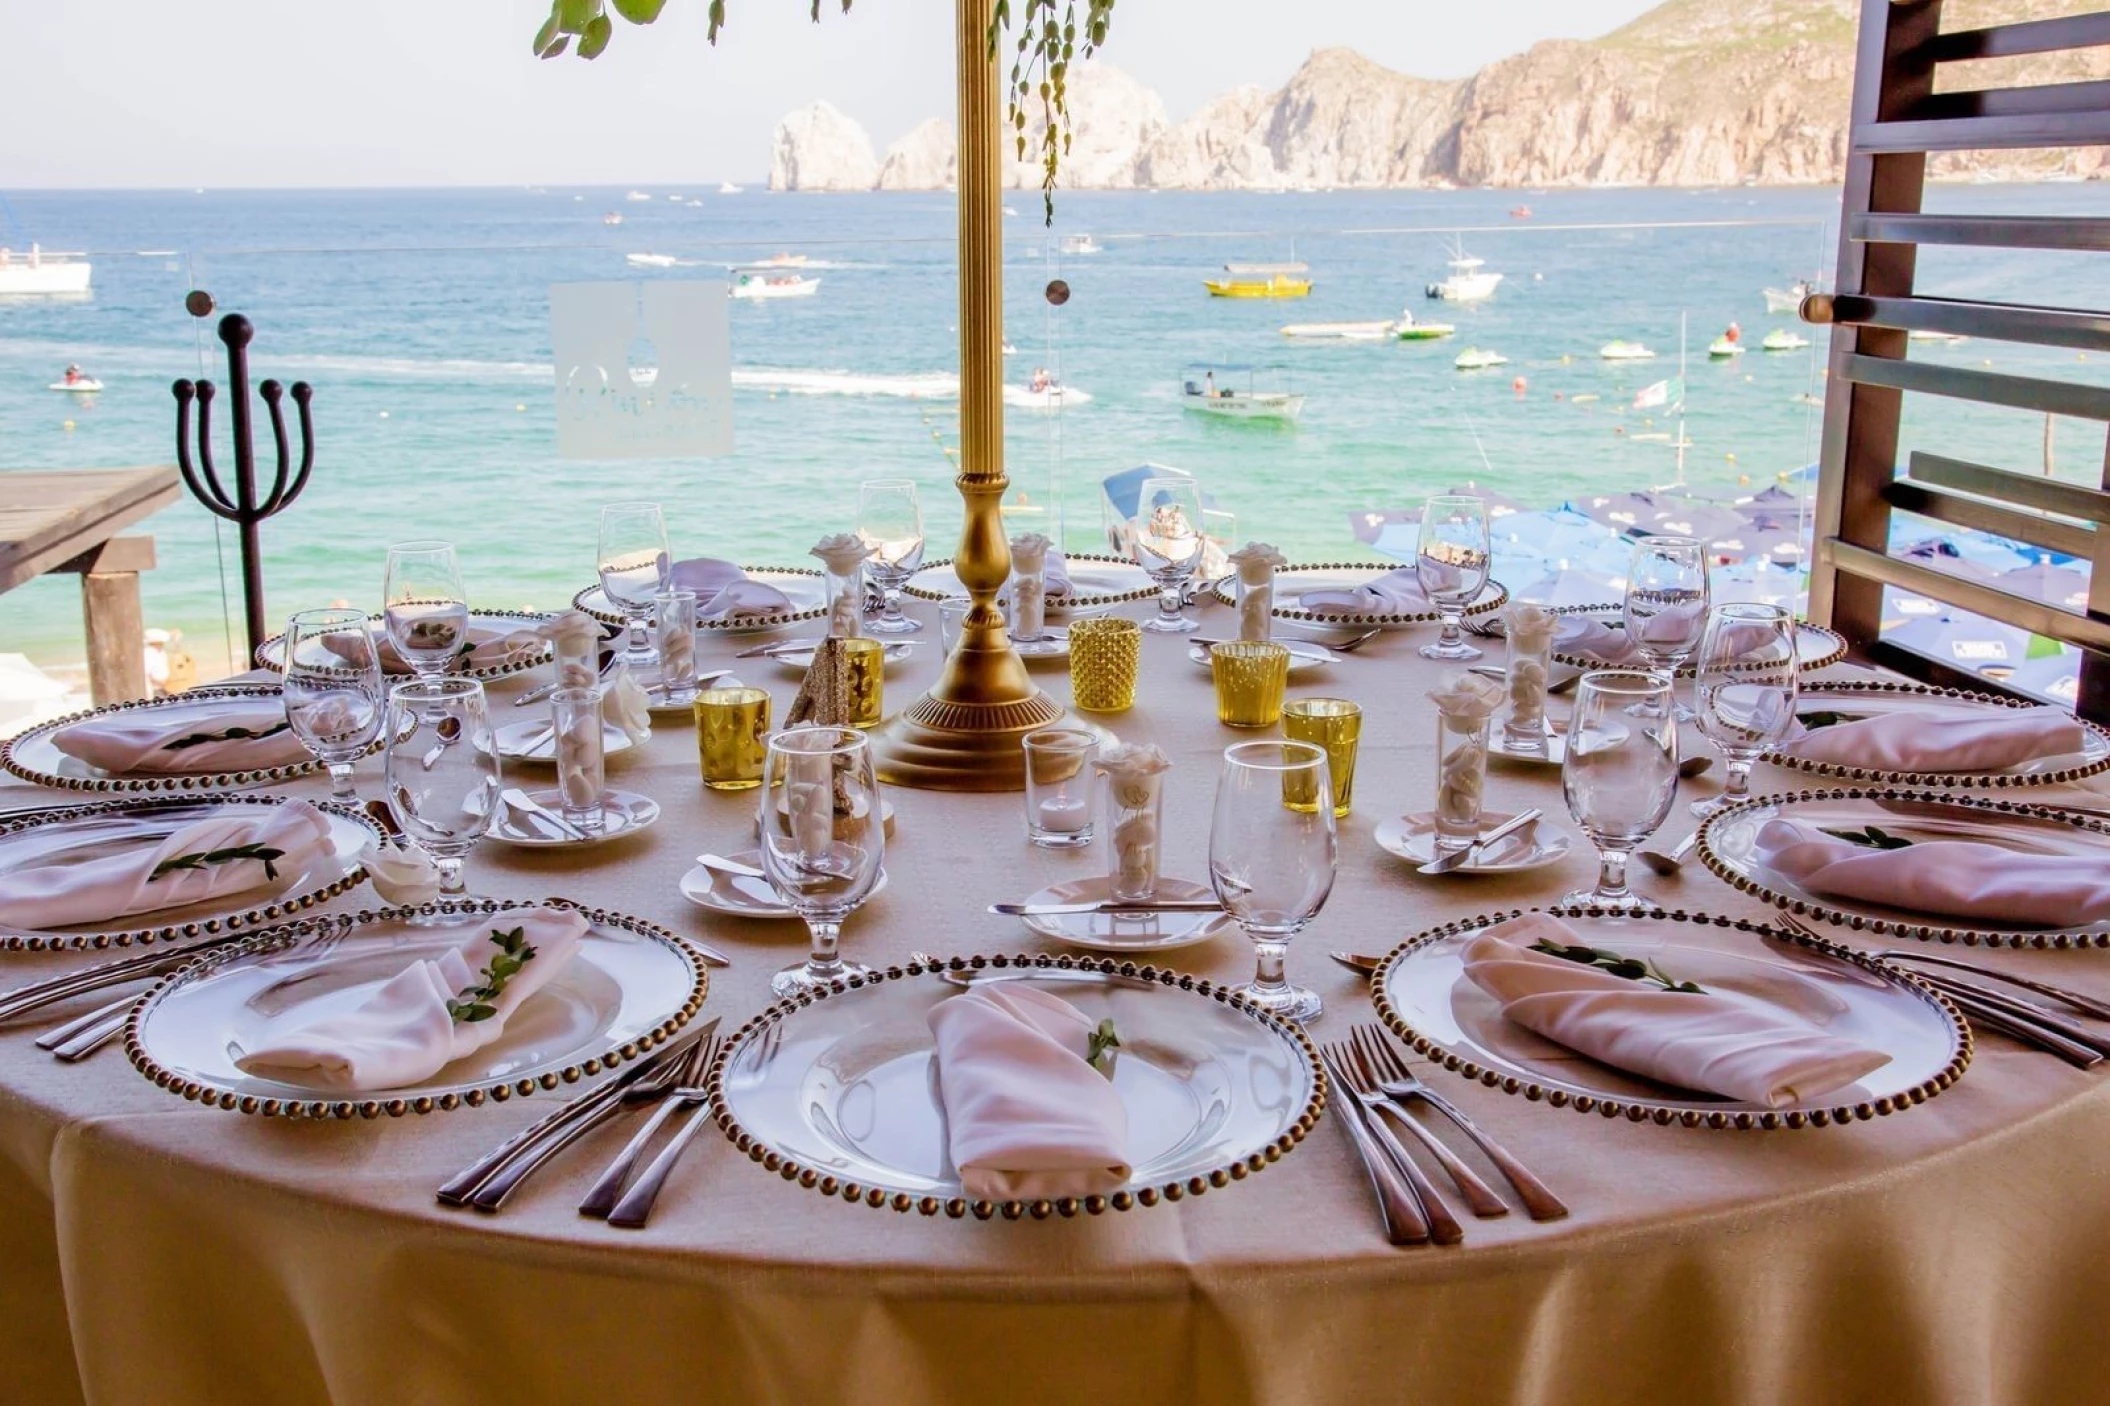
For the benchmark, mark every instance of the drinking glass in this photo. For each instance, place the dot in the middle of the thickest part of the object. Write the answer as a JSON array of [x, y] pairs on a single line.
[[425, 606], [1059, 787], [952, 617], [1169, 546], [1620, 773], [890, 520], [1336, 725], [1271, 862], [864, 662], [332, 690], [1249, 676], [1451, 561], [1106, 655], [674, 634], [582, 768], [732, 737], [1748, 678], [1666, 602], [822, 841], [442, 773], [635, 567]]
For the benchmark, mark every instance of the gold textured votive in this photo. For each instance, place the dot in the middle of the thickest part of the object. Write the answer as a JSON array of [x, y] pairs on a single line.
[[1334, 725], [1250, 676], [732, 737], [1106, 655], [865, 661]]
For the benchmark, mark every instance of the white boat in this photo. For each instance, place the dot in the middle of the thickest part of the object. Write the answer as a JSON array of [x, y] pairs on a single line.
[[1467, 284], [1778, 300], [727, 188], [652, 261], [1620, 350], [1052, 396], [1409, 329], [1080, 244], [1338, 331], [772, 283], [1783, 339], [611, 218], [1266, 394], [637, 195], [40, 273], [1473, 359]]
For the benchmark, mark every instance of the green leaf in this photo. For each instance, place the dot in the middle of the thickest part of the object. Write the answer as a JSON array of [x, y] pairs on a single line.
[[1871, 838], [599, 30], [1825, 718], [639, 11], [547, 35], [474, 1003], [1100, 1044], [233, 734], [563, 43], [574, 15], [1631, 968]]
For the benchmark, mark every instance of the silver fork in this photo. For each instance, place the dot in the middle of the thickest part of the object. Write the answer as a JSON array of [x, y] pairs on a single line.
[[1443, 1226], [1397, 1080], [1396, 1204], [635, 1208], [608, 1190], [1479, 1196], [1351, 646]]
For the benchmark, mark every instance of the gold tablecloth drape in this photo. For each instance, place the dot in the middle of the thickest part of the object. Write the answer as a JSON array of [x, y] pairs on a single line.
[[157, 1252]]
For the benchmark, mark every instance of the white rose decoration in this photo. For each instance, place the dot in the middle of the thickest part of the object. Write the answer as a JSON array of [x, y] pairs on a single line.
[[406, 875], [626, 704]]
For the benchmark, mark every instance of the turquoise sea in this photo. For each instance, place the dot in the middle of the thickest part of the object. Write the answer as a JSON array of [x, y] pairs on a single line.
[[422, 320]]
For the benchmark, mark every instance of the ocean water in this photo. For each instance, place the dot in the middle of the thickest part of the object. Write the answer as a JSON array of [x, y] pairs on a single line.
[[421, 318]]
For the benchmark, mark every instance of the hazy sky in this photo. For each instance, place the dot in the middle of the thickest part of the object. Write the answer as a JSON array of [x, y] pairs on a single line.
[[124, 93]]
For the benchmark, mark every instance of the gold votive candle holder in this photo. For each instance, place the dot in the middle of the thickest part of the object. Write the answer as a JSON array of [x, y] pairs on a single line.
[[732, 737], [1250, 676], [864, 660], [1335, 726], [1106, 655]]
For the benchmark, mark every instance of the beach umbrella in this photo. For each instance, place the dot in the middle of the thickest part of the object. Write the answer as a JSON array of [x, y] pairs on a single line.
[[1772, 500], [1780, 543], [1550, 532], [1761, 582], [1720, 493], [1694, 520], [2059, 585], [1566, 588], [2055, 677], [1368, 523], [1619, 511], [1900, 606], [1980, 549], [1499, 505], [1964, 641]]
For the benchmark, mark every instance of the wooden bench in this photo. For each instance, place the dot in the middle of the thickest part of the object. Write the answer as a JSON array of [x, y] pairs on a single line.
[[68, 520]]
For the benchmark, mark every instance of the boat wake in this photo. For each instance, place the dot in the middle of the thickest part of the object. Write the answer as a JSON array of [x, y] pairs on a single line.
[[923, 385]]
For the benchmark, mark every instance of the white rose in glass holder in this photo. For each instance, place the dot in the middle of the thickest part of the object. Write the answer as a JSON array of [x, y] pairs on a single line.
[[1464, 704], [1135, 776], [575, 640]]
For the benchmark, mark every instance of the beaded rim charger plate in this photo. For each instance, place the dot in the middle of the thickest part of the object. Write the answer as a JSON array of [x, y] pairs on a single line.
[[1291, 582], [1096, 583], [630, 985], [271, 654], [76, 834], [804, 588], [1423, 994], [838, 1090], [1875, 699], [1728, 845], [34, 756], [1815, 648]]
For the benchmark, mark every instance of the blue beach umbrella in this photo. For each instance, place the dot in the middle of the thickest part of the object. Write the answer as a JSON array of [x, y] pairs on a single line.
[[1760, 581], [1550, 532], [1964, 641], [1368, 524], [1565, 589], [2055, 677], [2058, 585]]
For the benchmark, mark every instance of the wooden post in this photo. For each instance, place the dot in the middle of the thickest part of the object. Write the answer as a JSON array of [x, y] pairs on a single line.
[[115, 621]]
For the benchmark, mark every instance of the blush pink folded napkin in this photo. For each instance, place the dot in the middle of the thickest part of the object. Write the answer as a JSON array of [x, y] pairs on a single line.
[[723, 589], [402, 1032], [1608, 643], [1937, 739], [489, 645], [242, 735], [1691, 1040], [1394, 593], [119, 885], [1026, 1117], [1943, 878]]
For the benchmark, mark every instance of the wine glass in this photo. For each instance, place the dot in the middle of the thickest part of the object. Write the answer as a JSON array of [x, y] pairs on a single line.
[[425, 606], [635, 567], [1666, 602], [332, 691], [1748, 677], [1620, 773], [1169, 543], [443, 771], [1272, 850], [890, 520], [1451, 561], [822, 841]]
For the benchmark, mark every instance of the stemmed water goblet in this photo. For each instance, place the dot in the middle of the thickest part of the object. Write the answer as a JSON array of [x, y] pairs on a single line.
[[1451, 561], [890, 520], [332, 691], [635, 567], [425, 607], [1272, 852], [1666, 602], [1620, 773], [442, 773], [823, 840], [1748, 677], [1170, 541]]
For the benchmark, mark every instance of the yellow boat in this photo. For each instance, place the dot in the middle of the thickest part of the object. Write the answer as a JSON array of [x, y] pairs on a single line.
[[1260, 281]]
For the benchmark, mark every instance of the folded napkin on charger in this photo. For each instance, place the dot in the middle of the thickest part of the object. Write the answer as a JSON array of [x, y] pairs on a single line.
[[244, 734], [225, 854], [1607, 642], [1693, 1040], [723, 589], [1056, 572], [488, 645], [1935, 739], [1027, 1118], [1394, 593], [1943, 878], [404, 1030]]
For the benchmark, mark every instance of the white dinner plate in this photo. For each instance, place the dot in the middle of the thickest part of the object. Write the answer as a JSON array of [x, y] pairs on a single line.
[[1413, 838], [739, 896], [799, 658], [1125, 932], [1291, 582], [622, 813], [806, 590], [1096, 582], [533, 740], [1304, 656]]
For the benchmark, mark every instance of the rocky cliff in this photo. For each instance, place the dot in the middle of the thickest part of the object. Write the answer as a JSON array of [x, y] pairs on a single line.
[[1695, 92]]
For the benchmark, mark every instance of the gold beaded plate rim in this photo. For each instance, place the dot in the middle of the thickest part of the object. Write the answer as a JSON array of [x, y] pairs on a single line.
[[1829, 648], [1077, 602], [191, 929], [1665, 1113], [395, 1103], [173, 783], [729, 625], [1984, 780], [959, 1207], [1860, 920], [1493, 596], [271, 653]]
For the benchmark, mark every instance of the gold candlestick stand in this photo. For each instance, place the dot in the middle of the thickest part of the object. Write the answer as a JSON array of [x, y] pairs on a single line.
[[964, 734]]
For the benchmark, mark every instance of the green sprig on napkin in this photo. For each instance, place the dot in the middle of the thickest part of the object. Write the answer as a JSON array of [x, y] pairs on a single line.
[[264, 854], [475, 1003], [1632, 968], [1100, 1047], [233, 734], [1871, 838]]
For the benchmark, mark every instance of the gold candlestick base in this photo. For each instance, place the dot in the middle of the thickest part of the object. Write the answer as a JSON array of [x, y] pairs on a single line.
[[941, 744]]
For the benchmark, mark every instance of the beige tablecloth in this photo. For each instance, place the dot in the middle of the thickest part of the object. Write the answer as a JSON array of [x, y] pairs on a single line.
[[1954, 1254]]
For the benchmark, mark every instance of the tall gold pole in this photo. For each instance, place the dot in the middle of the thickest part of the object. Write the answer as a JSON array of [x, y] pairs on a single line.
[[964, 734]]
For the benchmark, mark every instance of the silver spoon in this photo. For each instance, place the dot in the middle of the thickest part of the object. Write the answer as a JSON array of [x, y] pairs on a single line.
[[1670, 863]]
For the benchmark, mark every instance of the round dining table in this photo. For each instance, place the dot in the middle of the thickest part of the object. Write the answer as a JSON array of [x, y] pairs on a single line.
[[159, 1252]]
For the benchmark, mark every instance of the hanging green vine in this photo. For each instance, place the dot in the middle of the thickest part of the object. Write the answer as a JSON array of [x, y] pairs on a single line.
[[1047, 44]]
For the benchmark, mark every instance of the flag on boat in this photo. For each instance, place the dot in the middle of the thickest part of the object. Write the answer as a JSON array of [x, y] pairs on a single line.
[[1670, 392]]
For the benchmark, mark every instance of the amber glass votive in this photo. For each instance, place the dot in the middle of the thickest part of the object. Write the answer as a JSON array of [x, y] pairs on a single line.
[[865, 660], [1106, 655], [732, 737], [1334, 725], [1250, 676]]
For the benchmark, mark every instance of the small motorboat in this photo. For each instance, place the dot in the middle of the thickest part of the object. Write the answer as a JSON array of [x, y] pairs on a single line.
[[1467, 283], [1789, 298], [1338, 331], [765, 283], [725, 188], [612, 218], [637, 195], [1474, 359], [1408, 329], [1260, 281], [1043, 395], [1080, 244], [39, 272], [1619, 349], [1266, 394], [1783, 339], [651, 261], [1520, 212]]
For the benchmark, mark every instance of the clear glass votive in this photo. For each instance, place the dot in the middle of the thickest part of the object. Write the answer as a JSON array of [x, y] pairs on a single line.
[[575, 714], [1461, 780], [1106, 655], [1524, 729], [1334, 725], [951, 612], [1250, 676], [1134, 811], [865, 660], [674, 635], [732, 737], [1059, 787]]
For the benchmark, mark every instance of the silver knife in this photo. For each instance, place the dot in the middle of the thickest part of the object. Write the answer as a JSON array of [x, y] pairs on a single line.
[[519, 800], [730, 866], [1150, 905], [1472, 851]]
